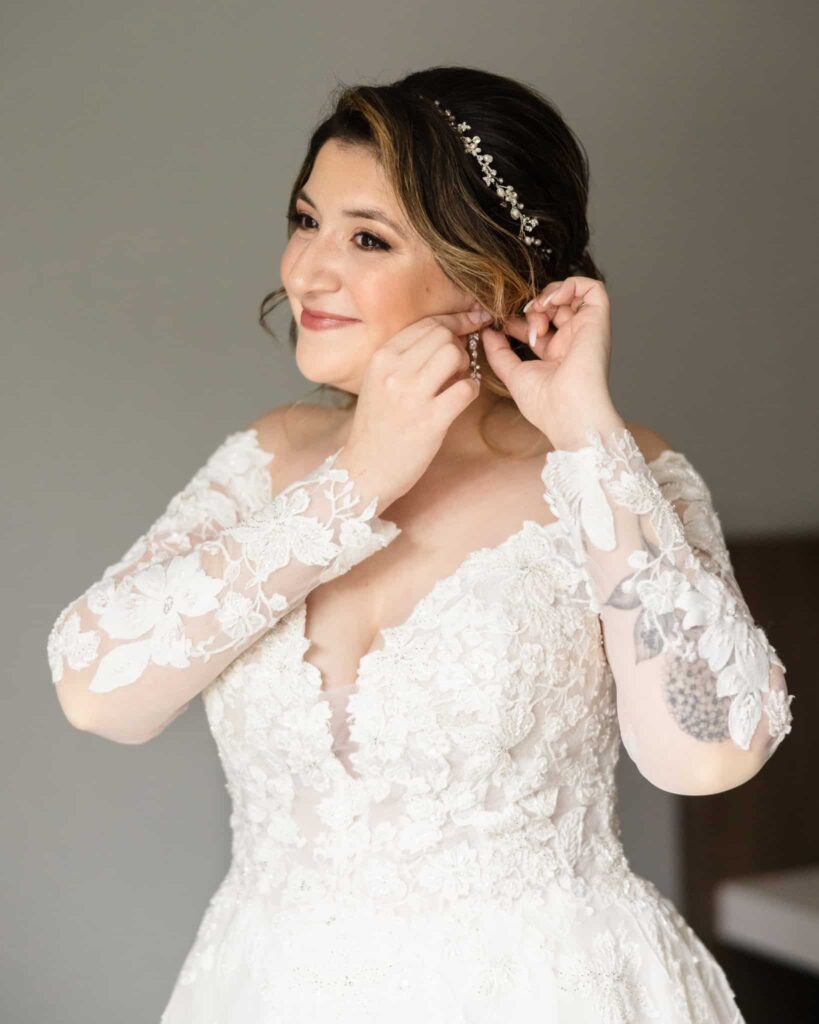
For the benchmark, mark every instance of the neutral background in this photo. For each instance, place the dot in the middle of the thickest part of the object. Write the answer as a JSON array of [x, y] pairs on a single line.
[[148, 150]]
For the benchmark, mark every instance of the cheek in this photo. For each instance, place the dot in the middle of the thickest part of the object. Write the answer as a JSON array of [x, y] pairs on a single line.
[[389, 299], [288, 258], [374, 296], [385, 296]]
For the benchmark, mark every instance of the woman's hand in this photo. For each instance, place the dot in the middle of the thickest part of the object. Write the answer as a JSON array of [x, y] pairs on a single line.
[[565, 390], [405, 407]]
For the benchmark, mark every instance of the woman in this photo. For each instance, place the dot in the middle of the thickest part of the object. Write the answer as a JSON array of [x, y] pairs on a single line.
[[422, 762]]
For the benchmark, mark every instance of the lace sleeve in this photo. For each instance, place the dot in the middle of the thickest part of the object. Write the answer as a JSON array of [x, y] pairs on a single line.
[[701, 695], [223, 564]]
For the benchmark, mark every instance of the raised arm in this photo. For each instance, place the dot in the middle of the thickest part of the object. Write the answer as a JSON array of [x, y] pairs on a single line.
[[701, 696], [225, 561]]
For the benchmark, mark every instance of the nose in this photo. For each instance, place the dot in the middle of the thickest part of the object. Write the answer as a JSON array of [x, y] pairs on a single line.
[[316, 265]]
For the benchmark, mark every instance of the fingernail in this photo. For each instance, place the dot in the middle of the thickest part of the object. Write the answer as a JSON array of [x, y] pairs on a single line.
[[528, 304], [532, 335], [479, 314]]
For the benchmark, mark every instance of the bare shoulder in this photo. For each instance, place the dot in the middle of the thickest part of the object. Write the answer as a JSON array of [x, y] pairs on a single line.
[[650, 443], [296, 427]]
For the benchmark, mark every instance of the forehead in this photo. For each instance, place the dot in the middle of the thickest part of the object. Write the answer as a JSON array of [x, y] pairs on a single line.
[[337, 159], [351, 174]]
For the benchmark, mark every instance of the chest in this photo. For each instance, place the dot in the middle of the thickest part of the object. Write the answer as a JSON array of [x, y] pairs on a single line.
[[501, 653], [345, 618]]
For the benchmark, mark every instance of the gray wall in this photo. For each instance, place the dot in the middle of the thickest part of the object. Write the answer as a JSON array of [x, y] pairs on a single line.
[[147, 152]]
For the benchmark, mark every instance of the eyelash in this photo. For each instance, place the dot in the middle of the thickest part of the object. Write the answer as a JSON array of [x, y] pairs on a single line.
[[296, 218]]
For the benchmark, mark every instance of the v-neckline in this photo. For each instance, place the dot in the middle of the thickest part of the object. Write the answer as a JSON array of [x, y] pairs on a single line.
[[318, 693]]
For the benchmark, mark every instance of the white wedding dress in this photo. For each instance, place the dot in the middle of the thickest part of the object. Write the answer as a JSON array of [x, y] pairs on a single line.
[[438, 841]]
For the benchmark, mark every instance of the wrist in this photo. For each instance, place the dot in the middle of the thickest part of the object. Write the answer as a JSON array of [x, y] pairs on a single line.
[[366, 484], [573, 433]]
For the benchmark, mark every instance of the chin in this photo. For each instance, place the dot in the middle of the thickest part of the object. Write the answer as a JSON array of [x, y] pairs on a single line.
[[322, 364]]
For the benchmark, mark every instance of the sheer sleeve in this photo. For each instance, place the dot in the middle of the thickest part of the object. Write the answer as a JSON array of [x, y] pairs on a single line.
[[225, 561], [701, 695]]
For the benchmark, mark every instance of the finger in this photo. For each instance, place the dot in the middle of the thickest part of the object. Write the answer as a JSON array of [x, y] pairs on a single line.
[[454, 399], [518, 326], [562, 315], [499, 353], [563, 293], [423, 348], [533, 327], [573, 291], [461, 324], [541, 301], [444, 364], [539, 328]]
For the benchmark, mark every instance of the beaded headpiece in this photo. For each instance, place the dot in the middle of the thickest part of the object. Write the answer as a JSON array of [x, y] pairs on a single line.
[[508, 196]]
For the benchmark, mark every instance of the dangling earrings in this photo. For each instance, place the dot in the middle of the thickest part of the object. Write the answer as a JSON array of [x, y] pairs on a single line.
[[474, 371]]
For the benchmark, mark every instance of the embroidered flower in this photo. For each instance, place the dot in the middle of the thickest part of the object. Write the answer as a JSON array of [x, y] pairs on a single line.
[[609, 977], [153, 601], [68, 641]]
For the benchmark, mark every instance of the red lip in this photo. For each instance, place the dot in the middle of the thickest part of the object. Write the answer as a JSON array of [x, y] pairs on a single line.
[[320, 314]]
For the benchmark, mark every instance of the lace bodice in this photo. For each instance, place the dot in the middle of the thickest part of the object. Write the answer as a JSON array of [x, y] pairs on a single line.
[[228, 560], [471, 762]]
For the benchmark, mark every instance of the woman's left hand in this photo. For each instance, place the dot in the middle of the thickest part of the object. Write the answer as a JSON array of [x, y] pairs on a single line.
[[566, 389]]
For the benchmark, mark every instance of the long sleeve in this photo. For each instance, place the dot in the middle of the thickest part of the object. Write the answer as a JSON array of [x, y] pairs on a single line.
[[222, 565], [701, 695]]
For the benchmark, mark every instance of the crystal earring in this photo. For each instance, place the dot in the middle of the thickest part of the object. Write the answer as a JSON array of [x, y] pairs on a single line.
[[474, 370]]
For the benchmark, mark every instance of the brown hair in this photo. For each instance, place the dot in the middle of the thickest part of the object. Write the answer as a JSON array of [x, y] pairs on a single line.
[[442, 193]]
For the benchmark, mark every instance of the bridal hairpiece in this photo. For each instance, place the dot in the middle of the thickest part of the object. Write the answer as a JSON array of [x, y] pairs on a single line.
[[508, 197]]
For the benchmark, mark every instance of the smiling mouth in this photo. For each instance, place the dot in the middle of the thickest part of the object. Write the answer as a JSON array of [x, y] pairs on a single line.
[[320, 323]]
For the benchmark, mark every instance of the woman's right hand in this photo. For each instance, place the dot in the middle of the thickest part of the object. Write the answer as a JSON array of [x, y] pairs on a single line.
[[401, 419]]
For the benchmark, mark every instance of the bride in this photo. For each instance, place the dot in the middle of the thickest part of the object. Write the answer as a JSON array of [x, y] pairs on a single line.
[[422, 621]]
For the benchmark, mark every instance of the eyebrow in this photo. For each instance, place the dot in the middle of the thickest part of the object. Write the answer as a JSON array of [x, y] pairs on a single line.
[[369, 213]]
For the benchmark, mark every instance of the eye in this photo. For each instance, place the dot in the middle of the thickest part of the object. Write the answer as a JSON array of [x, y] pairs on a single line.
[[298, 218], [379, 244]]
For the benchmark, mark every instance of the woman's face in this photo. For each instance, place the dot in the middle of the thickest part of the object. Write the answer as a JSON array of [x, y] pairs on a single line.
[[383, 276]]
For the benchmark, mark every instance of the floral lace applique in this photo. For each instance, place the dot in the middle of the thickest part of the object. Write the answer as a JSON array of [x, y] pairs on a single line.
[[223, 564], [660, 576]]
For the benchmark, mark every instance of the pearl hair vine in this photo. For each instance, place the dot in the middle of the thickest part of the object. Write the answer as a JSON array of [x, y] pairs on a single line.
[[507, 195]]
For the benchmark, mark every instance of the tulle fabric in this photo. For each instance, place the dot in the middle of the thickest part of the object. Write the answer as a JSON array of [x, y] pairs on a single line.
[[471, 965]]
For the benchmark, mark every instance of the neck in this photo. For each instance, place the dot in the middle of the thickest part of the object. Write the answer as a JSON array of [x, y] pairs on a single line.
[[463, 439], [503, 423]]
